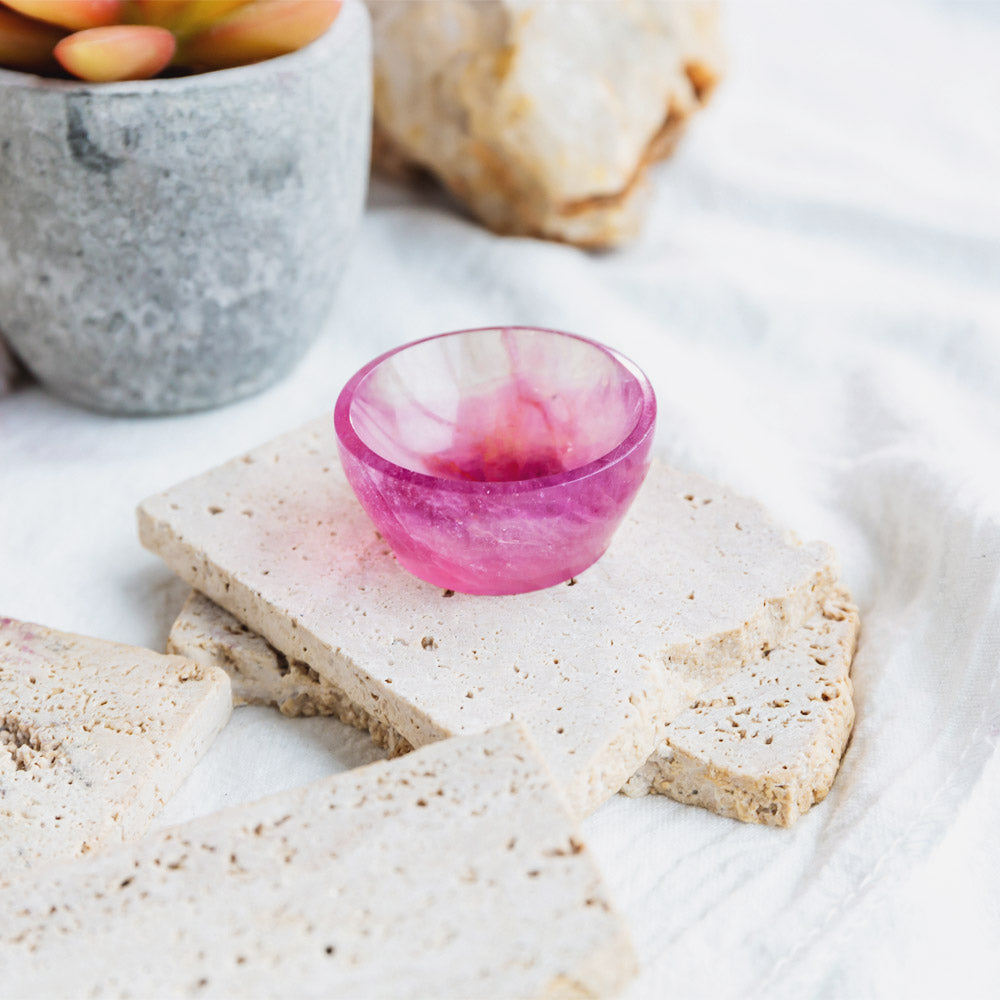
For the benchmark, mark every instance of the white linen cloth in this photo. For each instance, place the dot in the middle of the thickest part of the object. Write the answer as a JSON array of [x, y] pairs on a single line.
[[816, 298]]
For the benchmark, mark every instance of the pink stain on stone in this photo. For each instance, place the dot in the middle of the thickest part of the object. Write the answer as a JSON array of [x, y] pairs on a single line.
[[21, 634], [497, 461]]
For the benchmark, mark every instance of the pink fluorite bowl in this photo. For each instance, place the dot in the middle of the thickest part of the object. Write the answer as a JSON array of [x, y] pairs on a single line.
[[500, 460]]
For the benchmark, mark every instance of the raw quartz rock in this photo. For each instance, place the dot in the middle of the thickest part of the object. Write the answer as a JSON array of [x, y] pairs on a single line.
[[765, 745], [94, 738], [454, 872], [762, 747], [594, 668], [541, 117]]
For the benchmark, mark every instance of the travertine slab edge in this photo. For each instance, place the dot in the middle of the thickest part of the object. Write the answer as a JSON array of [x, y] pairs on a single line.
[[774, 784], [277, 538], [766, 744], [261, 675], [95, 736], [453, 872]]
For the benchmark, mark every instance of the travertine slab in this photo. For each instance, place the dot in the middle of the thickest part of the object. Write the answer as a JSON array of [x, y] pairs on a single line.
[[260, 675], [94, 738], [762, 746], [453, 872], [593, 668], [765, 745]]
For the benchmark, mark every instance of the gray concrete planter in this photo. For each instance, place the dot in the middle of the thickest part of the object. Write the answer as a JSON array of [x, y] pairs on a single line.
[[175, 244]]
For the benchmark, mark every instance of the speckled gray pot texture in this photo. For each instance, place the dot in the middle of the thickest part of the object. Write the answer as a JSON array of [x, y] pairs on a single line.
[[170, 245]]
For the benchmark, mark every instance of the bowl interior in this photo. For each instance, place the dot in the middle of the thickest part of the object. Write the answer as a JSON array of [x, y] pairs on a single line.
[[496, 405]]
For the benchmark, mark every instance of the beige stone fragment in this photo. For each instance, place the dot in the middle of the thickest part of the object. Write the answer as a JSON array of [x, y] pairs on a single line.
[[541, 117], [766, 744], [593, 669], [94, 738], [762, 746], [260, 675], [453, 872]]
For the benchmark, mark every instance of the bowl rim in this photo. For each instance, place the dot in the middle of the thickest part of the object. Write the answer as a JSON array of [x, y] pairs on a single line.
[[350, 441]]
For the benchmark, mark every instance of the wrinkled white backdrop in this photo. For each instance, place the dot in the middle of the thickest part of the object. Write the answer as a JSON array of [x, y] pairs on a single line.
[[816, 298]]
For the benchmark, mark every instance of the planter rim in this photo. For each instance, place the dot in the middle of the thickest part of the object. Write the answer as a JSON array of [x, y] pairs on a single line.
[[333, 38]]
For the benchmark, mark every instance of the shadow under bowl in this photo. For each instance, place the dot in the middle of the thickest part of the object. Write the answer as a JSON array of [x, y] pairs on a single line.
[[498, 460]]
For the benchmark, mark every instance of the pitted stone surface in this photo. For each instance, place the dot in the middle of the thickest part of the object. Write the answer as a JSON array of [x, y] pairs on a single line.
[[173, 244], [765, 745], [260, 675], [94, 738], [454, 872], [594, 668]]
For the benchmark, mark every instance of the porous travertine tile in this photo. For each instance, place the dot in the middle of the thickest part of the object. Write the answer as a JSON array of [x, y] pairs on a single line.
[[766, 744], [763, 746], [260, 675], [594, 668], [94, 738], [455, 871]]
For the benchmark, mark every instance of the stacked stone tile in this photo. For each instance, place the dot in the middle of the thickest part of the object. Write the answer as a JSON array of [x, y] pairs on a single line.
[[698, 585]]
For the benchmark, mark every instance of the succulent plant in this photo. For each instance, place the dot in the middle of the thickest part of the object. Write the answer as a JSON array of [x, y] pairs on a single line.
[[105, 40]]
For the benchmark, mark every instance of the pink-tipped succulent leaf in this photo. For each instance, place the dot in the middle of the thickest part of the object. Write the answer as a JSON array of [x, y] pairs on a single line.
[[162, 13], [198, 15], [260, 30], [119, 52], [72, 14], [108, 40], [26, 44]]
